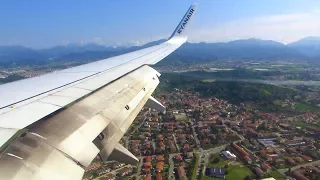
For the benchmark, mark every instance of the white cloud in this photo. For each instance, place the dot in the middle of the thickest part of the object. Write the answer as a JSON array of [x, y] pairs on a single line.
[[284, 28]]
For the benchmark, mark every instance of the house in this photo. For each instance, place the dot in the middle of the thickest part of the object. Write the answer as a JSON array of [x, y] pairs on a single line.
[[247, 159], [240, 150], [217, 172], [258, 171], [306, 158], [159, 166], [181, 173], [147, 170], [186, 147], [178, 157], [266, 167], [291, 161], [206, 140], [229, 156], [160, 158], [148, 159], [109, 177], [158, 176], [93, 166], [303, 172], [147, 165], [125, 171]]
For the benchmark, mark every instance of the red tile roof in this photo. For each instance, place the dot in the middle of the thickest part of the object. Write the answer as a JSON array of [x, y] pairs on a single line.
[[148, 159], [160, 158], [265, 166], [159, 176], [178, 157]]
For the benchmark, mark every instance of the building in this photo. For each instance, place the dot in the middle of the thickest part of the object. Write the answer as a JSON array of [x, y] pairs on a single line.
[[125, 171], [181, 173], [159, 176], [229, 156], [159, 166], [306, 158], [291, 161], [160, 158], [217, 172], [258, 171], [266, 167], [247, 159], [240, 150]]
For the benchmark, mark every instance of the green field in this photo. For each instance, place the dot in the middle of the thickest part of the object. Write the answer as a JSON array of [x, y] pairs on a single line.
[[277, 175], [305, 107], [209, 80], [238, 172]]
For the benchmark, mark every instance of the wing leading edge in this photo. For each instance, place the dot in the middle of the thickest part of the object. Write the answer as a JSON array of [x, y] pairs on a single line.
[[61, 121]]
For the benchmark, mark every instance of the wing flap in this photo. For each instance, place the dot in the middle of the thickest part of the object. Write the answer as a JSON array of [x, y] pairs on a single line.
[[121, 154], [30, 157]]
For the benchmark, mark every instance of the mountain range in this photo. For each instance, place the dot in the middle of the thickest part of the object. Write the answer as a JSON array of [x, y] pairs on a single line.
[[248, 49]]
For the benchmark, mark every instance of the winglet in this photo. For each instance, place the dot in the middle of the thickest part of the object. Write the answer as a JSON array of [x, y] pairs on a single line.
[[181, 28]]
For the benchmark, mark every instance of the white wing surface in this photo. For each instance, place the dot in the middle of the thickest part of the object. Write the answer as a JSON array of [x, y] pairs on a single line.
[[53, 126]]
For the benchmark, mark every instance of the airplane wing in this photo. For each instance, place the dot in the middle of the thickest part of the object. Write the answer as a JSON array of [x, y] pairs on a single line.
[[53, 126]]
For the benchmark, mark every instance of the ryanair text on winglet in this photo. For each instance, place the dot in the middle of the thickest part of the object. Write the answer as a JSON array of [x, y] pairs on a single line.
[[185, 21]]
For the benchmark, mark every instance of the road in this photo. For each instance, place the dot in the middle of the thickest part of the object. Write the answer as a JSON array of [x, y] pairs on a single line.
[[296, 167], [195, 135], [139, 167], [171, 167], [240, 136], [175, 142]]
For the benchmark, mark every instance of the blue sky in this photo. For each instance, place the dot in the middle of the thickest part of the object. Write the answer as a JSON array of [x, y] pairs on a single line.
[[42, 24]]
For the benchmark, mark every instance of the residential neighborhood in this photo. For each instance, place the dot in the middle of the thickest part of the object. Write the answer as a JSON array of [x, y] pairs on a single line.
[[209, 138]]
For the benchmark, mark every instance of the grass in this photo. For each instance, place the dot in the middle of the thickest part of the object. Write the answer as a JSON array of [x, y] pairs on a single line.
[[304, 124], [194, 171], [277, 175], [208, 80], [305, 107], [238, 172], [266, 92], [300, 123], [222, 162]]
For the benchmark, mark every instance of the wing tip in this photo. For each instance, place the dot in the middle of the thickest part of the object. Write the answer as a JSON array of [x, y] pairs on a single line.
[[182, 26]]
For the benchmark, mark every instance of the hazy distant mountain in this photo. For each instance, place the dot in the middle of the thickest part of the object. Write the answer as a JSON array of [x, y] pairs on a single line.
[[59, 51], [309, 46], [248, 49], [19, 55]]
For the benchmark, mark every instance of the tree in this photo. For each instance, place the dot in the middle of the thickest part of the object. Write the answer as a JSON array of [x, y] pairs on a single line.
[[216, 160], [289, 171]]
